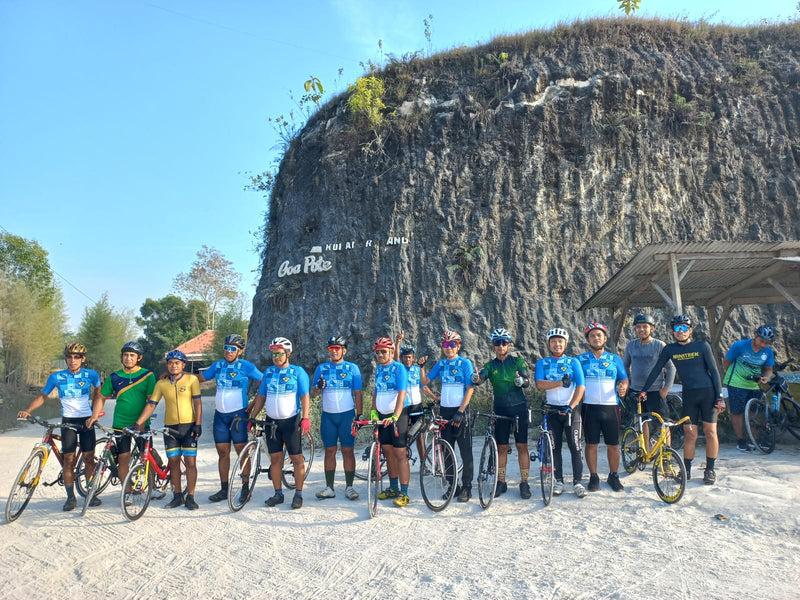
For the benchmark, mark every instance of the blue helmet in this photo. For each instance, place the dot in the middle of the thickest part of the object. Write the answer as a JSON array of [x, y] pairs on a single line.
[[176, 354], [766, 333], [408, 349]]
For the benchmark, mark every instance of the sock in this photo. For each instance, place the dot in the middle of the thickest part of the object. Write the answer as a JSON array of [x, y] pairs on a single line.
[[70, 491], [523, 473], [348, 478], [501, 474], [298, 493], [687, 462], [329, 475], [224, 486], [394, 483], [710, 462], [404, 489]]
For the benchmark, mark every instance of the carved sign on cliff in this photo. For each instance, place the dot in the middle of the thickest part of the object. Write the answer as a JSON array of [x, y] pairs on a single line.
[[318, 264]]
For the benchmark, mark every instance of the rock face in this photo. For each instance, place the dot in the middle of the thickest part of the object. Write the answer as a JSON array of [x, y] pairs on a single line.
[[514, 179]]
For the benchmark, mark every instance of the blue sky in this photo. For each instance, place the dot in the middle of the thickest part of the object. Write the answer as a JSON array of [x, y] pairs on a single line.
[[126, 126]]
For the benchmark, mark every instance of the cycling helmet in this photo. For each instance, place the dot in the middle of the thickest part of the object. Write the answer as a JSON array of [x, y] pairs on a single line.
[[595, 325], [176, 354], [280, 343], [383, 343], [337, 340], [134, 347], [451, 336], [766, 333], [407, 350], [681, 320], [501, 334], [558, 332], [74, 348], [234, 339], [644, 319]]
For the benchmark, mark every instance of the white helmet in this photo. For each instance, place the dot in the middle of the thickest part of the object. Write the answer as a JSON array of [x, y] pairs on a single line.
[[558, 332], [280, 343]]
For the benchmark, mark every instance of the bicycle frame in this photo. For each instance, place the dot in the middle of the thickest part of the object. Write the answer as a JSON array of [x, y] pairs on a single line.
[[488, 466]]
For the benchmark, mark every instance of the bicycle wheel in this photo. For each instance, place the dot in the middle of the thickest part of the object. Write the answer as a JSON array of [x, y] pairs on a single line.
[[631, 449], [80, 468], [487, 473], [362, 448], [136, 491], [25, 484], [546, 474], [373, 478], [244, 474], [759, 428], [437, 475], [677, 435], [100, 479], [790, 413], [308, 456], [669, 475]]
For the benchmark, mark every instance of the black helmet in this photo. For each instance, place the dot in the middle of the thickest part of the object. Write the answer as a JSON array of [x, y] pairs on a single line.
[[408, 349], [234, 339], [135, 347], [644, 319], [681, 320], [766, 332], [337, 340], [75, 348]]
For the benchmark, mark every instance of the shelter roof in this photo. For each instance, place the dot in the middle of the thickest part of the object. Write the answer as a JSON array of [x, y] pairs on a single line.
[[198, 345]]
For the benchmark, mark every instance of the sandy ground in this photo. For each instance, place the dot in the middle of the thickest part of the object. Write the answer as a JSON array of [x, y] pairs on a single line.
[[607, 545]]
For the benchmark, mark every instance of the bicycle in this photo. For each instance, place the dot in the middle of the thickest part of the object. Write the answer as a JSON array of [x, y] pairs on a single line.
[[487, 469], [438, 471], [106, 470], [144, 476], [669, 472], [674, 403], [771, 411], [362, 460], [544, 453], [31, 473], [375, 474]]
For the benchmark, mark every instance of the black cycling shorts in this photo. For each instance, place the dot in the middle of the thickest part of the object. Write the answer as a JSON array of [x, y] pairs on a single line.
[[700, 405], [502, 427], [387, 434], [289, 434], [69, 437], [601, 418]]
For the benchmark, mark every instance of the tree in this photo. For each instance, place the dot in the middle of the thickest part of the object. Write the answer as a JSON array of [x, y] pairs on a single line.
[[166, 324], [25, 260], [211, 281], [230, 321], [103, 331]]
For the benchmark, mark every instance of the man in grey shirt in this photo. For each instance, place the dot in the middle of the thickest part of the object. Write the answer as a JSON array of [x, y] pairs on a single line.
[[640, 356]]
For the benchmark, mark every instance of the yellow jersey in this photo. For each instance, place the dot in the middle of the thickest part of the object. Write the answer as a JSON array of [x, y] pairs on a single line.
[[178, 396]]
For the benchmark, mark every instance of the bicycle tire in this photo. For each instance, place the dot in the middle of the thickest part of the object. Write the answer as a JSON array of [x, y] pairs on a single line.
[[25, 484], [139, 480], [487, 473], [362, 456], [100, 479], [245, 471], [677, 434], [546, 473], [373, 479], [759, 428], [287, 470], [790, 413], [631, 450], [80, 468], [669, 475], [438, 475]]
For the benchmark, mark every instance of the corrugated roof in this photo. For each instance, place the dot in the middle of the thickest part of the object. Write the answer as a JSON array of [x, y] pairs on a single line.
[[198, 345], [714, 273]]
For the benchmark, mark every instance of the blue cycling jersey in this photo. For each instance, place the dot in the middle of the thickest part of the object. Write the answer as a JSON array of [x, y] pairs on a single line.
[[746, 362], [282, 389], [602, 374], [390, 380], [232, 379], [455, 376], [74, 391], [341, 380], [554, 369]]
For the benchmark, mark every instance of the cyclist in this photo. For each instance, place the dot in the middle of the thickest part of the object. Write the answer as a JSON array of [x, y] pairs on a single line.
[[746, 364], [76, 388], [508, 376], [702, 397], [407, 356], [561, 377], [640, 356], [183, 417], [456, 377], [605, 378], [391, 407], [284, 391], [131, 386], [339, 383], [232, 374]]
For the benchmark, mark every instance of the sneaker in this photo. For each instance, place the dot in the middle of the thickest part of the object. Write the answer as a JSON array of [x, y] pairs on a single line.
[[558, 488], [274, 500], [465, 495], [95, 501], [388, 493], [219, 496], [709, 477], [524, 490], [614, 482], [190, 502], [579, 490], [70, 504], [594, 482], [401, 500], [502, 488], [326, 493], [297, 501], [177, 500], [744, 446], [350, 493]]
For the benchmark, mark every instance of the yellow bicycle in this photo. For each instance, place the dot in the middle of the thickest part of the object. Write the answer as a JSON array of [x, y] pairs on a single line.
[[669, 473]]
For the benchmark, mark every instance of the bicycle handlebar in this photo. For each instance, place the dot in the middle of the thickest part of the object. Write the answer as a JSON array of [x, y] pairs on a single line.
[[40, 421]]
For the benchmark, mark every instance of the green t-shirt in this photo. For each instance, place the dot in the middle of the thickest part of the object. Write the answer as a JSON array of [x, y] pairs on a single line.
[[501, 375], [131, 391]]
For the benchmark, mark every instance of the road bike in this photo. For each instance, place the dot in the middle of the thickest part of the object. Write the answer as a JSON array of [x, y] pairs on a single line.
[[487, 469], [145, 477], [30, 475], [544, 452], [669, 472], [438, 471], [772, 411], [375, 475], [106, 469]]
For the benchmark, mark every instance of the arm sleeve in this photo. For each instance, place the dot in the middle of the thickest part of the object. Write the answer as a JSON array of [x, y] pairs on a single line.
[[711, 367], [626, 360], [669, 377], [663, 357]]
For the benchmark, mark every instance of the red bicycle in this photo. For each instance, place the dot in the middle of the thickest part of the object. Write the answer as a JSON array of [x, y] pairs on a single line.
[[145, 476]]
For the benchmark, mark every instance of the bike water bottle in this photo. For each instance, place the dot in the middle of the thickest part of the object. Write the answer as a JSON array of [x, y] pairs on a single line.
[[775, 404], [415, 427]]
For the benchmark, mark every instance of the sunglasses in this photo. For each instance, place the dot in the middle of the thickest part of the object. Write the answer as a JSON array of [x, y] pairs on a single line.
[[74, 356], [680, 328], [381, 352], [230, 348], [278, 354], [449, 344], [500, 343], [335, 348]]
